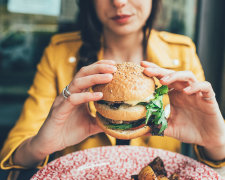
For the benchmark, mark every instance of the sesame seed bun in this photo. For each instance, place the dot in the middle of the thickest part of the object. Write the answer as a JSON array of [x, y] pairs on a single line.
[[129, 85]]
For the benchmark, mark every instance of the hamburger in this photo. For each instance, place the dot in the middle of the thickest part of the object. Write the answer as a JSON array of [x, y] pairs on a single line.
[[131, 105]]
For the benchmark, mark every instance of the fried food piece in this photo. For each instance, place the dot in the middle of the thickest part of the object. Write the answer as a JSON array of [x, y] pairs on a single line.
[[147, 173], [158, 167], [174, 176], [162, 177], [155, 171]]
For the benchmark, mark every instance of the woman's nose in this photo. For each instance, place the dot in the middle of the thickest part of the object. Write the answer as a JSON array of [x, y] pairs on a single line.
[[119, 3]]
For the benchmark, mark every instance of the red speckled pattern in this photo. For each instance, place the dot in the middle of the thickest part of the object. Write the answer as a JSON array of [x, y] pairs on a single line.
[[120, 162]]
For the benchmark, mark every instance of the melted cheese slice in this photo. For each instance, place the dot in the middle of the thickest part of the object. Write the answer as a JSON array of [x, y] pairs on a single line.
[[133, 103], [167, 111]]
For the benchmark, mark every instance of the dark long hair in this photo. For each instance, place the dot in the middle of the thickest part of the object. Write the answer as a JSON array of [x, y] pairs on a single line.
[[91, 31]]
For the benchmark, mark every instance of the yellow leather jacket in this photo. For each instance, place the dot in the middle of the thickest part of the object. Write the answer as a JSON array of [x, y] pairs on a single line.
[[57, 68]]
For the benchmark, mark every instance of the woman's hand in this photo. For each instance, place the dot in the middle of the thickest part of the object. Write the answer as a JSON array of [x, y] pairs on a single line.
[[195, 116], [69, 122]]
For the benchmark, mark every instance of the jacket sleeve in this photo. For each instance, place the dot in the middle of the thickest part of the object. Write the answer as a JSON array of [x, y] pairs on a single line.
[[196, 68], [201, 157], [41, 96]]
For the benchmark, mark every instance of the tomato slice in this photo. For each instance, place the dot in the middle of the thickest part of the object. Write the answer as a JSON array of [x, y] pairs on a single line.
[[140, 126]]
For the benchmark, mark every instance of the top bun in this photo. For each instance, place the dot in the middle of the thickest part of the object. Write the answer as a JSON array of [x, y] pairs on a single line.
[[128, 84]]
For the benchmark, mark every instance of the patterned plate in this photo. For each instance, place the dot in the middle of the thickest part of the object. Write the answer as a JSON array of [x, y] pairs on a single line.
[[120, 162]]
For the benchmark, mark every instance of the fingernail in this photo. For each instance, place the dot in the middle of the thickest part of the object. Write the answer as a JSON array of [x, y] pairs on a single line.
[[187, 88], [165, 78], [109, 75], [114, 68], [148, 69], [113, 61], [98, 94]]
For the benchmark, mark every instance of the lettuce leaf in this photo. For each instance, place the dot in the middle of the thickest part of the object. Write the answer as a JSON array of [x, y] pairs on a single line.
[[155, 110], [126, 126], [162, 90]]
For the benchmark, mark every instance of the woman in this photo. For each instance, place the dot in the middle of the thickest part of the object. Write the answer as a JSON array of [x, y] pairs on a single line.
[[116, 31]]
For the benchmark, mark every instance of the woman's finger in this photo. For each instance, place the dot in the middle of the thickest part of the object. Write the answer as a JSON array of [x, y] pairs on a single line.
[[147, 64], [94, 129], [82, 83], [204, 87], [178, 86], [63, 110], [100, 68], [178, 76], [104, 61], [80, 98], [154, 70], [157, 72], [169, 131]]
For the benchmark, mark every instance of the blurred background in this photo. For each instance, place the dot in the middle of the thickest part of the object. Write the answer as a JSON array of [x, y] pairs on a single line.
[[27, 25]]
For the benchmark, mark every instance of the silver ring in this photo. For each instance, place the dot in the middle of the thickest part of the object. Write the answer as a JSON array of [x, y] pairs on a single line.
[[209, 98], [66, 92]]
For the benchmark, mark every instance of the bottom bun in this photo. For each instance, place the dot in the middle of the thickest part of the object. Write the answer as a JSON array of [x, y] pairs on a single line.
[[122, 134]]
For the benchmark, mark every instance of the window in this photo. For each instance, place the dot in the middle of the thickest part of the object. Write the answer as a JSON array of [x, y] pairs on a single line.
[[178, 16]]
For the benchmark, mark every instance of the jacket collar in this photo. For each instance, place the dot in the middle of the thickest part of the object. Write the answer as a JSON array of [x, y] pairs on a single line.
[[158, 51]]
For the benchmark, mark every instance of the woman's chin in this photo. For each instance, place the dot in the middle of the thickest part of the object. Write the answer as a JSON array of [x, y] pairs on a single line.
[[123, 30]]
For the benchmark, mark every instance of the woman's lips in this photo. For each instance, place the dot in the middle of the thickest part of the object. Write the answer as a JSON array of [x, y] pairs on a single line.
[[121, 19]]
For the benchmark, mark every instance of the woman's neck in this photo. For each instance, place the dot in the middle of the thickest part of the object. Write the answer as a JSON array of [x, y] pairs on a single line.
[[123, 48]]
